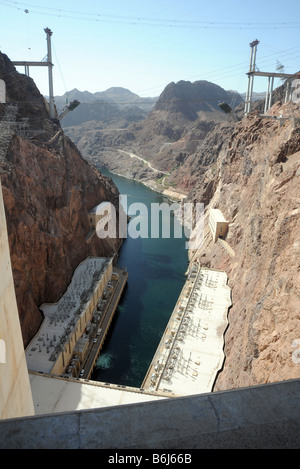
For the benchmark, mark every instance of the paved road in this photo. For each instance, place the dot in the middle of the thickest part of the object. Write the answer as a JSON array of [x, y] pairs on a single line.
[[132, 155]]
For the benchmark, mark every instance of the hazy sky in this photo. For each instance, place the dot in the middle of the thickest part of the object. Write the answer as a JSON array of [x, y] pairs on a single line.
[[144, 45]]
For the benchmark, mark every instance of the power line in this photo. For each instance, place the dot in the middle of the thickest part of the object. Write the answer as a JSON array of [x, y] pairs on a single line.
[[145, 21]]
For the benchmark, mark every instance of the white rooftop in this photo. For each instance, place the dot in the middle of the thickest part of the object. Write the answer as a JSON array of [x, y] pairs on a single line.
[[218, 215]]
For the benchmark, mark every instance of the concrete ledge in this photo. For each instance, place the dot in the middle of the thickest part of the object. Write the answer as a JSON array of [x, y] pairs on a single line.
[[266, 416]]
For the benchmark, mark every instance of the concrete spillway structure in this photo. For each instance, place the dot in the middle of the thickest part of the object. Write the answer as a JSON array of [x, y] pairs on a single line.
[[190, 353]]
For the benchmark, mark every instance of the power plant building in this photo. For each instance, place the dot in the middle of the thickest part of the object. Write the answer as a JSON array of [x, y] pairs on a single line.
[[64, 330]]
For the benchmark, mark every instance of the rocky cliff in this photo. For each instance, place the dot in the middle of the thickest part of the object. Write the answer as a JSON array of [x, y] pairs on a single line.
[[48, 189], [195, 100], [255, 182]]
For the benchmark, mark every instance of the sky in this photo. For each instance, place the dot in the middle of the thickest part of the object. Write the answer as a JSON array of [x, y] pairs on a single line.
[[144, 46]]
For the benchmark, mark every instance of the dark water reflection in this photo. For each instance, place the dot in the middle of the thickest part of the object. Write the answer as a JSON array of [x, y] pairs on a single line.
[[156, 269]]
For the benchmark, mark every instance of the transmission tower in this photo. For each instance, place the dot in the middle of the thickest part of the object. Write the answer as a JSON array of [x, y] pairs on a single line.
[[270, 75], [48, 63]]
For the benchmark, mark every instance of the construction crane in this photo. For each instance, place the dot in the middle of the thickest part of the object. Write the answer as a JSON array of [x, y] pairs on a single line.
[[73, 105]]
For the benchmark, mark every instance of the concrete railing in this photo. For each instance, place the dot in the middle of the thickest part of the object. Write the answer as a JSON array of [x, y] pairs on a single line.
[[266, 416]]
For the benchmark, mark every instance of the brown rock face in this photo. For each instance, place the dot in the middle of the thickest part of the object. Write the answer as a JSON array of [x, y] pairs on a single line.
[[47, 198], [48, 189], [257, 187], [192, 99]]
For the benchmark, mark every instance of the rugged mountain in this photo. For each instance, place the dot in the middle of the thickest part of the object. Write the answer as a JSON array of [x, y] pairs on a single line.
[[195, 100], [104, 112], [48, 189], [198, 155], [123, 98], [115, 95], [116, 105], [183, 115]]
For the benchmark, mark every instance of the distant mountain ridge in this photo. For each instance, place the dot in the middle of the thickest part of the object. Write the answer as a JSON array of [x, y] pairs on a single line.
[[255, 96], [114, 103], [183, 115], [191, 100]]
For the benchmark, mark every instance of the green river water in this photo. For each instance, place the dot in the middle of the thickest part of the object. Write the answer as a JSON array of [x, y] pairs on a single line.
[[156, 268]]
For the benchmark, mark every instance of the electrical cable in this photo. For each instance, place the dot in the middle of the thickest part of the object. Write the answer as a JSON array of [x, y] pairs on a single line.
[[145, 21], [220, 72]]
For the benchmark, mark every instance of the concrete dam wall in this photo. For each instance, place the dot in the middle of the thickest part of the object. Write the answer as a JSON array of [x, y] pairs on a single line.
[[265, 416]]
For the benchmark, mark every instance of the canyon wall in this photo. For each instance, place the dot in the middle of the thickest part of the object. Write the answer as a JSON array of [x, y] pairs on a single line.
[[248, 169], [248, 166], [256, 184], [48, 190]]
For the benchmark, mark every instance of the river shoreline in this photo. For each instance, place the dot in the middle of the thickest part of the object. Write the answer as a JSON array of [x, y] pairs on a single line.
[[171, 193]]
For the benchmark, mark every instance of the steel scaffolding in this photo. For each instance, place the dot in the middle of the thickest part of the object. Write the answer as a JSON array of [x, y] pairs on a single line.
[[271, 76], [48, 64]]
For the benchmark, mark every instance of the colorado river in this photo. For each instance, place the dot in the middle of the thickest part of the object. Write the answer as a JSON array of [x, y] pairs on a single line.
[[156, 269]]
